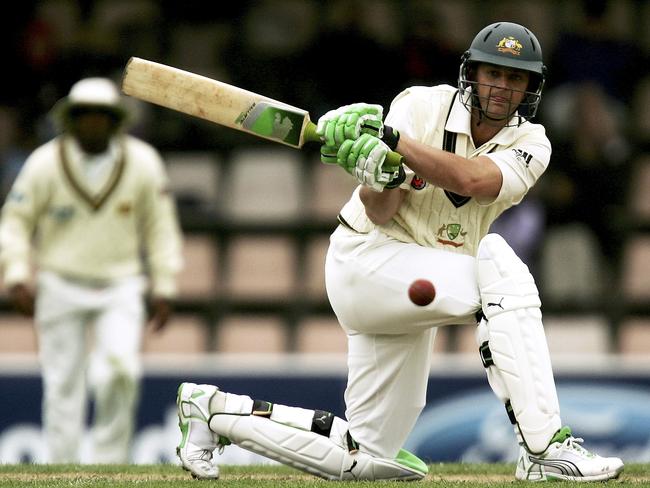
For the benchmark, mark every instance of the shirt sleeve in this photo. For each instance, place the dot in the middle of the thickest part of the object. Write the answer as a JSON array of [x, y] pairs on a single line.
[[161, 230], [24, 205], [521, 165], [411, 112], [414, 112]]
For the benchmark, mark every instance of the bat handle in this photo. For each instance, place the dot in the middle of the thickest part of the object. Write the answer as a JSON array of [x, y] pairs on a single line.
[[310, 135], [394, 159]]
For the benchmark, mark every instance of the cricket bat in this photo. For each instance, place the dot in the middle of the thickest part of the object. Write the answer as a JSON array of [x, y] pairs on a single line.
[[221, 103]]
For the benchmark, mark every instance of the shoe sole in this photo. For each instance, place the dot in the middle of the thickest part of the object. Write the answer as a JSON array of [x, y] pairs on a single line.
[[586, 479]]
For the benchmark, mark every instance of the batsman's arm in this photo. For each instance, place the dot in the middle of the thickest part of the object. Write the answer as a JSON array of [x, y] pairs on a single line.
[[381, 207]]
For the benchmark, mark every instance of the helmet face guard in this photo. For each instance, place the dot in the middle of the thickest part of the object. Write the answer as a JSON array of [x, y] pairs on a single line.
[[508, 45]]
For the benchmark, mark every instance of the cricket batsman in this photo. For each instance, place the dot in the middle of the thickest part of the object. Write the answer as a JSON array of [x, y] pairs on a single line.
[[470, 152]]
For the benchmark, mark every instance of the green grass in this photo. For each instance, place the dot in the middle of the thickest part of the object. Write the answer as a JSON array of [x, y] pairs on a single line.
[[155, 476]]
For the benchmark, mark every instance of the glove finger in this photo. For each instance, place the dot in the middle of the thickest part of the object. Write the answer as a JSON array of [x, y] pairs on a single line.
[[343, 156], [323, 121], [378, 154], [328, 154], [356, 149], [369, 124], [368, 151], [352, 126], [329, 135], [359, 171], [340, 129], [367, 108]]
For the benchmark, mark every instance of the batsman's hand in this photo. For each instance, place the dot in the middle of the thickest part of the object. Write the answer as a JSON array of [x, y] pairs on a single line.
[[22, 299], [160, 310], [349, 122], [365, 159]]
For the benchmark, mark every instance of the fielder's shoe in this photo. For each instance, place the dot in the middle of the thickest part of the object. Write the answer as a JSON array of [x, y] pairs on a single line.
[[198, 442], [566, 459]]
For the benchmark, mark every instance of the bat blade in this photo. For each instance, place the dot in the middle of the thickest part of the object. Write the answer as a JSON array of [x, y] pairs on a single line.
[[217, 102], [221, 103]]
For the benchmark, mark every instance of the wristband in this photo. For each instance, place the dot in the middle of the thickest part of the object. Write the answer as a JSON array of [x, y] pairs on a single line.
[[390, 137], [399, 179]]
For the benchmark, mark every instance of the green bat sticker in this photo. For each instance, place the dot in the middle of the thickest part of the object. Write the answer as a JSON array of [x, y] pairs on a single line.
[[277, 122]]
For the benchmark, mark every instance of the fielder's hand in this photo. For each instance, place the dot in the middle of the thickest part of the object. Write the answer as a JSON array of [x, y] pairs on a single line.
[[22, 299], [160, 311], [349, 122], [364, 159]]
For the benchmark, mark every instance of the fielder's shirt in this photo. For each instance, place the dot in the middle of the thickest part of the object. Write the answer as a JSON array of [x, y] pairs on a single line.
[[92, 217], [431, 216]]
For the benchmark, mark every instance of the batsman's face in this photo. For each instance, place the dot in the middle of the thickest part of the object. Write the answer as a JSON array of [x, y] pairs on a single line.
[[500, 89]]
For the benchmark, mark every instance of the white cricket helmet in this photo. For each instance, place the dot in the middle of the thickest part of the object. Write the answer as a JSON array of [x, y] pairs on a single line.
[[95, 93]]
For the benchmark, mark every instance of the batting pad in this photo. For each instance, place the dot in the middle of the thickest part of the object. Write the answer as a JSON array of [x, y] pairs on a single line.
[[521, 371], [326, 457]]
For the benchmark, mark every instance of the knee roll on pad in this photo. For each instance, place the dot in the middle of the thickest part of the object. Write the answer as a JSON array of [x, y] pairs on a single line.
[[521, 367]]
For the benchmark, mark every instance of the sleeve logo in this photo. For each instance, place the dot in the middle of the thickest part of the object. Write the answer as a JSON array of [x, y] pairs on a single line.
[[523, 156]]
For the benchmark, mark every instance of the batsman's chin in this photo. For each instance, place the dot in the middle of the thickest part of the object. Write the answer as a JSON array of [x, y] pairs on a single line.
[[498, 111]]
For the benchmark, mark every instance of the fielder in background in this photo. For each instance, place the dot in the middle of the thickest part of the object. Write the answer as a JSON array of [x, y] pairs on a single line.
[[91, 202], [470, 151]]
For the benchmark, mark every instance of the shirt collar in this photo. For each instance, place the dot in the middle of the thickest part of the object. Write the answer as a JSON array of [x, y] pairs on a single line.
[[76, 153]]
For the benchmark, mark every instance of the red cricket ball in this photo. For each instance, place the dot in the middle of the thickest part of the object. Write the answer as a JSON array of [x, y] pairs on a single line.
[[422, 292]]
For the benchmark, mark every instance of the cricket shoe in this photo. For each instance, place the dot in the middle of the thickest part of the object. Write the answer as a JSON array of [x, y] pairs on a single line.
[[565, 459], [198, 442]]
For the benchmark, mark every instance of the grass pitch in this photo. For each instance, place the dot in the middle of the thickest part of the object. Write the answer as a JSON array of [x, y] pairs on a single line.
[[168, 476]]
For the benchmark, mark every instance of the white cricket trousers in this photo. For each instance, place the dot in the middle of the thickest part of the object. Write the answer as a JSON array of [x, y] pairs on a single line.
[[390, 340], [89, 339]]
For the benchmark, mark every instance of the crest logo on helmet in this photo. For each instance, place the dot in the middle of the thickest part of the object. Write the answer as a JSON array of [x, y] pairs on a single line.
[[510, 45]]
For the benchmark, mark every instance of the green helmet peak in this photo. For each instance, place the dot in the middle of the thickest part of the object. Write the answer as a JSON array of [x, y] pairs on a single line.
[[507, 44]]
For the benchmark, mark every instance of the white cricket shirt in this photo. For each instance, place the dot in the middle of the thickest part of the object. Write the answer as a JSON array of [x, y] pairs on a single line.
[[429, 215]]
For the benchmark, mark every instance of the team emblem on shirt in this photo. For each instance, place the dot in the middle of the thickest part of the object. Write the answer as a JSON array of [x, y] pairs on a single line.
[[16, 196], [61, 213], [124, 208], [510, 45], [418, 183], [451, 235]]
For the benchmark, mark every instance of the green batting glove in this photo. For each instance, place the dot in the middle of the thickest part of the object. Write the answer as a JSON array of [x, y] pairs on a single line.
[[349, 122], [328, 154], [364, 159]]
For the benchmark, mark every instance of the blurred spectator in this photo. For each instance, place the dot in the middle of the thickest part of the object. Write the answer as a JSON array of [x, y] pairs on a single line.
[[351, 31], [523, 227], [16, 142], [593, 52], [640, 120], [95, 198], [428, 58], [269, 49], [588, 178]]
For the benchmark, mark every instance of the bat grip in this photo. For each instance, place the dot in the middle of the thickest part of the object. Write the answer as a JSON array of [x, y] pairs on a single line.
[[310, 135]]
